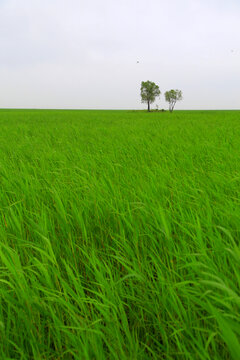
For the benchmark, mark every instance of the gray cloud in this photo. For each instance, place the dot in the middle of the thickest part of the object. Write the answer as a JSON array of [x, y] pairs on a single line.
[[83, 54]]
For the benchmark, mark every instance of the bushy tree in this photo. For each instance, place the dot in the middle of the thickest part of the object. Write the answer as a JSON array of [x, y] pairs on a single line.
[[172, 96], [149, 92]]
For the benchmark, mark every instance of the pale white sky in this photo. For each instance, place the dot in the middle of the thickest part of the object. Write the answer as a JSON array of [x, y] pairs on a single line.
[[84, 53]]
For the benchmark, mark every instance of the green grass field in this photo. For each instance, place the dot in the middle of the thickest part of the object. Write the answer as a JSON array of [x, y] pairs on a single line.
[[119, 235]]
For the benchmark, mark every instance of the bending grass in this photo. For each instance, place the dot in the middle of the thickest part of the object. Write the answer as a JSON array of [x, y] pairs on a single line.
[[119, 235]]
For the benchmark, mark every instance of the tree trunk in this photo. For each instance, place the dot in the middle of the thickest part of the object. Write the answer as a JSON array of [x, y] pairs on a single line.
[[148, 106]]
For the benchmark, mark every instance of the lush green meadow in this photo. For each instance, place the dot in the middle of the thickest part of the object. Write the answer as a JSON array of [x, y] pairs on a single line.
[[119, 235]]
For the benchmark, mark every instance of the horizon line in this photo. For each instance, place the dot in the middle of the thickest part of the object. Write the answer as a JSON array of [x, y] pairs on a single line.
[[109, 109]]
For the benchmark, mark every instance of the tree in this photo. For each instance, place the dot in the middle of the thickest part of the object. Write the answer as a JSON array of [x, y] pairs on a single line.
[[149, 92], [172, 96]]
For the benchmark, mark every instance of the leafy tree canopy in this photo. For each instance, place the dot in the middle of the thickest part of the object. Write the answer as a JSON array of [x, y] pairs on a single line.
[[172, 96], [149, 92]]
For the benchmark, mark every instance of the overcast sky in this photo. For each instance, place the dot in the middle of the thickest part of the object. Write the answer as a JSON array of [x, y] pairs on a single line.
[[84, 53]]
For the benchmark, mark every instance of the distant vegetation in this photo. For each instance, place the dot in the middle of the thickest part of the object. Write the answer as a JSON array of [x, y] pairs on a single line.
[[119, 235], [172, 96], [150, 91]]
